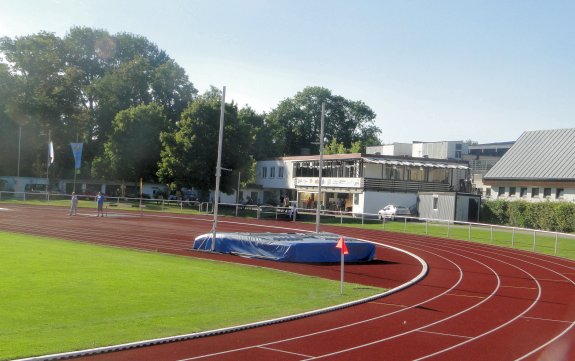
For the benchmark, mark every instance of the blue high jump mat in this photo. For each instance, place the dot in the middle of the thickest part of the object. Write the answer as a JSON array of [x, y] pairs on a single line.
[[287, 247]]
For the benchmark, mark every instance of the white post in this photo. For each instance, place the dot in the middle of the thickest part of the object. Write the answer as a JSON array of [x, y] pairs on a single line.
[[317, 214], [218, 168], [19, 140], [238, 195], [342, 263]]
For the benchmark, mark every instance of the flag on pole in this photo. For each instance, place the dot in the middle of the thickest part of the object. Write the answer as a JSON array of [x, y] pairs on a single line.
[[51, 152], [77, 152], [342, 246]]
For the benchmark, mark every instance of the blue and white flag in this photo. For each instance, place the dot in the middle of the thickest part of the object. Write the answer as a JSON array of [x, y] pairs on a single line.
[[77, 151]]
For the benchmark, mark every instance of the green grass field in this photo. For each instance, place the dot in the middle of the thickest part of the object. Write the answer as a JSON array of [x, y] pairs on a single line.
[[60, 296]]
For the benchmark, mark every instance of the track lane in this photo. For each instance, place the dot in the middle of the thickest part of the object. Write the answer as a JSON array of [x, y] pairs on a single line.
[[546, 328]]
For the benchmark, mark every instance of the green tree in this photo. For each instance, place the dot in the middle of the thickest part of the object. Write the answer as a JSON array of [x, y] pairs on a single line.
[[189, 155], [133, 147], [75, 86], [296, 121], [334, 147]]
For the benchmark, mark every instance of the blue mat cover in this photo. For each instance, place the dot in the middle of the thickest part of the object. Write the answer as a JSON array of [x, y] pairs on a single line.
[[288, 247]]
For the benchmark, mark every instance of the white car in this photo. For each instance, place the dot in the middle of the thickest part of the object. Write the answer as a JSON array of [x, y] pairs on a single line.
[[391, 211]]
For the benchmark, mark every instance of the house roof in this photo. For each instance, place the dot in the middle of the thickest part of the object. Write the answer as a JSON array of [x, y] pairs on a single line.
[[538, 155]]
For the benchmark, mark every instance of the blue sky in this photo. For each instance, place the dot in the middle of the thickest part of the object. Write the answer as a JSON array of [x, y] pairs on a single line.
[[430, 70]]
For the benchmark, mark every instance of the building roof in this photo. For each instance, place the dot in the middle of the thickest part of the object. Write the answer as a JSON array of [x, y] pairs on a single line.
[[538, 155]]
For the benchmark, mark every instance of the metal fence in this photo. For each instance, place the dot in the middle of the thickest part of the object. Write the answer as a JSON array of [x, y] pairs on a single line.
[[556, 243]]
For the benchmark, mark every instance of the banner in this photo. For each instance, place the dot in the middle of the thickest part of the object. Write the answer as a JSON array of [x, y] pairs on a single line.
[[51, 152], [77, 151]]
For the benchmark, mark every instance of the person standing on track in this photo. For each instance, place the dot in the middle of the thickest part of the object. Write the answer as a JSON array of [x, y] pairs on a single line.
[[100, 202], [73, 204]]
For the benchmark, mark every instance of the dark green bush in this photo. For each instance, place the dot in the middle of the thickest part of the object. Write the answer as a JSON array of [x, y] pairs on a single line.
[[549, 216]]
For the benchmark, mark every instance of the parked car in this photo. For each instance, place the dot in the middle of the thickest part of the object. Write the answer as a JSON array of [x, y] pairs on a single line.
[[391, 211]]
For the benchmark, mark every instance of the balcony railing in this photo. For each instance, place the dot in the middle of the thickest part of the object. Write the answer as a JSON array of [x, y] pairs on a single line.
[[390, 185]]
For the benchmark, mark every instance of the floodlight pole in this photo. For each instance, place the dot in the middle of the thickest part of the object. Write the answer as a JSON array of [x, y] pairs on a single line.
[[317, 213], [218, 168]]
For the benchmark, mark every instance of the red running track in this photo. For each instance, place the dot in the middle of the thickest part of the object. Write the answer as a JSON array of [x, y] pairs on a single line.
[[477, 302]]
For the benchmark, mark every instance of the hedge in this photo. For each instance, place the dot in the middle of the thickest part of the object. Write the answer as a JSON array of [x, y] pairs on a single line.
[[549, 216]]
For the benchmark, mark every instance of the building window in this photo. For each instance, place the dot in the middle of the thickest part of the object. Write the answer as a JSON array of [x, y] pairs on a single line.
[[546, 192], [534, 192], [264, 172], [435, 202], [501, 192], [488, 192], [559, 193], [356, 199], [523, 192], [272, 172], [280, 172], [511, 191]]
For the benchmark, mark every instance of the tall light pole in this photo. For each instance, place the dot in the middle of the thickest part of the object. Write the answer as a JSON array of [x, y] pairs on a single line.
[[317, 213]]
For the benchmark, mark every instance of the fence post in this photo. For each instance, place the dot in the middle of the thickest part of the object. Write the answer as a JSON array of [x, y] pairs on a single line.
[[469, 233], [448, 227], [556, 240], [534, 232], [404, 224], [426, 225], [491, 236], [513, 238]]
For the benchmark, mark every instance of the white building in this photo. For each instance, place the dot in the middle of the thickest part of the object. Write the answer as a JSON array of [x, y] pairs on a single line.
[[355, 182], [540, 166]]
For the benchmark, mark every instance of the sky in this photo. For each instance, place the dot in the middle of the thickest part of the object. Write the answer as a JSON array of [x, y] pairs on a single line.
[[431, 70]]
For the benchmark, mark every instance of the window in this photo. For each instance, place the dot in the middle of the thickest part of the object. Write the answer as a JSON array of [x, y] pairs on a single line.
[[488, 192], [280, 172], [559, 193], [356, 199], [272, 172], [501, 192], [534, 192], [546, 192], [435, 202], [523, 192], [511, 191], [264, 172]]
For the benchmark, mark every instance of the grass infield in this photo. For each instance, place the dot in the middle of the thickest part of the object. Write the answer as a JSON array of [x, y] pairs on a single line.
[[60, 296]]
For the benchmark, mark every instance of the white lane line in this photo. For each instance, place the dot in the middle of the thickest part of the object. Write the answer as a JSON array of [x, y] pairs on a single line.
[[547, 319], [284, 351], [444, 334]]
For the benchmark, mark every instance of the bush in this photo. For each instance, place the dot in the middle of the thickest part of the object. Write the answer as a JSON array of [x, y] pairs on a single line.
[[549, 216]]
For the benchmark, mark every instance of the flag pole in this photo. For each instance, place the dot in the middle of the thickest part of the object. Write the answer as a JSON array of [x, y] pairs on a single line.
[[48, 163], [341, 282], [343, 248]]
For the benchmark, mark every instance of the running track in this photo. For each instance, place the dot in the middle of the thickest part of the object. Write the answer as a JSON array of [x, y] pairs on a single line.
[[477, 302]]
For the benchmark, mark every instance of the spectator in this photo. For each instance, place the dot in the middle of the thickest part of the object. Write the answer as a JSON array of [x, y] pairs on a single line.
[[100, 202], [73, 204]]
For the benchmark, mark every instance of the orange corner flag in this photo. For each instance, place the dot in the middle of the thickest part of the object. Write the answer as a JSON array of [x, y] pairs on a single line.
[[341, 244]]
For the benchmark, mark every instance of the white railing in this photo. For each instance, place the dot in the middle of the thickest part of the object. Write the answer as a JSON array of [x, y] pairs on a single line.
[[513, 235]]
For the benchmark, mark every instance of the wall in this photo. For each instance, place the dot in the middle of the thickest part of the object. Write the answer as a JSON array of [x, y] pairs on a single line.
[[445, 206]]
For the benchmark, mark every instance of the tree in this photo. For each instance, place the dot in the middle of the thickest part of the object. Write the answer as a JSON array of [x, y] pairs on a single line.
[[296, 121], [133, 148], [73, 88], [189, 155]]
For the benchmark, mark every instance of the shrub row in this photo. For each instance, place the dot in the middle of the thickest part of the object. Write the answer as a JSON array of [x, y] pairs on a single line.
[[549, 216]]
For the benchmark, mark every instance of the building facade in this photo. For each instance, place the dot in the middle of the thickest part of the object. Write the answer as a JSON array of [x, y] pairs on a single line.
[[540, 166], [357, 183]]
